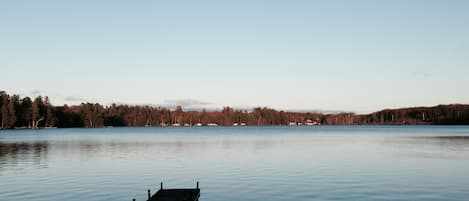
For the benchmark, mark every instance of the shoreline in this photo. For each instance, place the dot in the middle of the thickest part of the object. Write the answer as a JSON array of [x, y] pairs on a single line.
[[253, 126]]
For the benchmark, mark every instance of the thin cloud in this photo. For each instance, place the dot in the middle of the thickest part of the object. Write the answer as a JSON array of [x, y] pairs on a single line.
[[320, 111], [74, 99], [420, 74], [188, 103], [36, 92]]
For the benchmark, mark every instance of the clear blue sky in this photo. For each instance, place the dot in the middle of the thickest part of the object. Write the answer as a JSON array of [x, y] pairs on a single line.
[[331, 55]]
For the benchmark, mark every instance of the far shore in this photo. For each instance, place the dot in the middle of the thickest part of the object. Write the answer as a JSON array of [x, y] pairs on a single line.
[[27, 113], [170, 126]]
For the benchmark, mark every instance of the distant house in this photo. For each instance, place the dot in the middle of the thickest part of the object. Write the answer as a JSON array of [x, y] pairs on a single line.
[[198, 124], [212, 124], [310, 122], [186, 124], [176, 124], [243, 124], [292, 124], [235, 124]]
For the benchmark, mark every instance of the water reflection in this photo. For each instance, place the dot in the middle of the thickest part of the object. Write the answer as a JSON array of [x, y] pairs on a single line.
[[442, 147], [37, 152], [12, 154], [235, 164], [444, 143]]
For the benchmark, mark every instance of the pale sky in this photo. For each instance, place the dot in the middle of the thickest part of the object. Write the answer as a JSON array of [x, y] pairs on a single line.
[[356, 56]]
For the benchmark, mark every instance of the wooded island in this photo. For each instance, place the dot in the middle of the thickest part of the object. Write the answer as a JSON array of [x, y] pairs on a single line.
[[18, 112]]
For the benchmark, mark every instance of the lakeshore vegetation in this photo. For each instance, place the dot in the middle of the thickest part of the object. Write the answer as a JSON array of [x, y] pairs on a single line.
[[38, 112]]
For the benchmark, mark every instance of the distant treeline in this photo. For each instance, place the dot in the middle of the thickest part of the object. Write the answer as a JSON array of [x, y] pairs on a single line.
[[17, 112]]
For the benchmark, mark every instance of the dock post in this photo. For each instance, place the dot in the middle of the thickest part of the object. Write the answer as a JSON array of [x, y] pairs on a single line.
[[161, 185], [148, 194], [197, 185], [133, 199]]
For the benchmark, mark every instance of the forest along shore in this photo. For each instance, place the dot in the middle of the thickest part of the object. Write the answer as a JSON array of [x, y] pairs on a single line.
[[24, 112]]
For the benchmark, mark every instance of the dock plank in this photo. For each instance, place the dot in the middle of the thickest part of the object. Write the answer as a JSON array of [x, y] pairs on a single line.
[[176, 195]]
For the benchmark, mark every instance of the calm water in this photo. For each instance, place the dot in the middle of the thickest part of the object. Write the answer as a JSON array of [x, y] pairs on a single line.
[[244, 163]]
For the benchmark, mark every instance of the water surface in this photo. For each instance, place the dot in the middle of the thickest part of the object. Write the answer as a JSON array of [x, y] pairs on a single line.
[[237, 163]]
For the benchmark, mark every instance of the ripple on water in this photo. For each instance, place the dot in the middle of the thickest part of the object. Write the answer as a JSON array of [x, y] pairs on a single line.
[[260, 164]]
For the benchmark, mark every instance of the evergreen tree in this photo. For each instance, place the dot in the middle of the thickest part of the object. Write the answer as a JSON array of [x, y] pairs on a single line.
[[37, 111], [2, 93], [50, 116], [4, 110], [26, 108], [12, 105]]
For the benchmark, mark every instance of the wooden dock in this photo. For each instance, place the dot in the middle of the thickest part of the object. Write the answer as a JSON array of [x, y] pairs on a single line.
[[182, 194]]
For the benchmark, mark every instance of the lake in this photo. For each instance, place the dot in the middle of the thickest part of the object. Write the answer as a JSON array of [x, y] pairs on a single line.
[[237, 163]]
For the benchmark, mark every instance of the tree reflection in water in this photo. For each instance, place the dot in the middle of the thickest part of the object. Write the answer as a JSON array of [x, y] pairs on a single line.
[[12, 154]]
